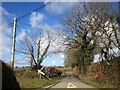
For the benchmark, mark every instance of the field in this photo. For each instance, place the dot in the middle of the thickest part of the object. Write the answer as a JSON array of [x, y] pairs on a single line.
[[29, 78]]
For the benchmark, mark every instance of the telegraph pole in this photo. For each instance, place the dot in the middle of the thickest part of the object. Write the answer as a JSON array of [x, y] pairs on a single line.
[[13, 43]]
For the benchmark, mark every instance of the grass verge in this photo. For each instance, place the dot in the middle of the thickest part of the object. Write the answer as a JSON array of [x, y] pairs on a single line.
[[36, 82], [33, 82], [28, 78], [95, 84]]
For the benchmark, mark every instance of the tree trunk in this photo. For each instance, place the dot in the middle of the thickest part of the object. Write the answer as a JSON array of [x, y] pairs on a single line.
[[38, 51]]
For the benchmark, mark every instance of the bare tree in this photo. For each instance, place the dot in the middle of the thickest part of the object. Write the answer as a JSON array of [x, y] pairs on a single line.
[[36, 47]]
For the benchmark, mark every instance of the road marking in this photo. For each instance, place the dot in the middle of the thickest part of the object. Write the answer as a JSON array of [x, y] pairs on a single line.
[[70, 85]]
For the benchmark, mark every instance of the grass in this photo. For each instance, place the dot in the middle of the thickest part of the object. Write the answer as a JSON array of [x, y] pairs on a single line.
[[33, 82], [28, 78], [95, 84], [68, 69]]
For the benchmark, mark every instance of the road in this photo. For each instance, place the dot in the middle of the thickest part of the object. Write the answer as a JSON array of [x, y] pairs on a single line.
[[71, 81]]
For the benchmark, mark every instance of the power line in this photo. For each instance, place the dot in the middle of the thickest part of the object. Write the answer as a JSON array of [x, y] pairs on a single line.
[[6, 26], [27, 14], [28, 25], [33, 11]]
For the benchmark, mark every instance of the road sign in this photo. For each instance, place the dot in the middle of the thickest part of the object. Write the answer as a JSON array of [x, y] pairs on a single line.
[[70, 85], [40, 72], [41, 68]]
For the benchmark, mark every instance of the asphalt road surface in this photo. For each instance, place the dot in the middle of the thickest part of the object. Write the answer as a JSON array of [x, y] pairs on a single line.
[[71, 81]]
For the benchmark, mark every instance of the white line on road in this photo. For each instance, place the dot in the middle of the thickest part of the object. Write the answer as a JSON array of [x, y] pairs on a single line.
[[70, 85]]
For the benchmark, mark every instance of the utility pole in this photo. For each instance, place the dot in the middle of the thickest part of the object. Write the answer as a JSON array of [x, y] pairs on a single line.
[[13, 43]]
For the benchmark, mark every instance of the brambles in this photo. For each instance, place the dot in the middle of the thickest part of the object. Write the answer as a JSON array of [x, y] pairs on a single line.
[[104, 74]]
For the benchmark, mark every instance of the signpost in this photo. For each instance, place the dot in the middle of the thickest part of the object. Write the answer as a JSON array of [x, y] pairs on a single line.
[[42, 73]]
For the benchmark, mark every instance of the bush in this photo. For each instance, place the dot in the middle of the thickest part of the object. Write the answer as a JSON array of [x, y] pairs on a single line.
[[26, 73], [108, 74]]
